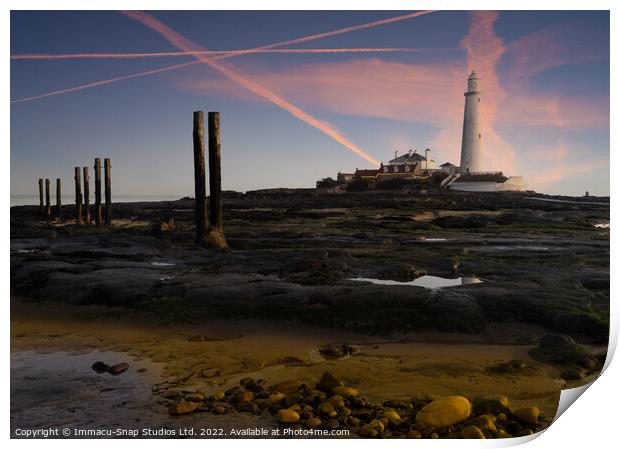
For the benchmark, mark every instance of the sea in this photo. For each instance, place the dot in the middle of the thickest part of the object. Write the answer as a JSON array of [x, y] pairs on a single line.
[[33, 200]]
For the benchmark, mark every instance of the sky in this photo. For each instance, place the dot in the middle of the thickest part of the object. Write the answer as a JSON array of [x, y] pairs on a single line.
[[290, 118]]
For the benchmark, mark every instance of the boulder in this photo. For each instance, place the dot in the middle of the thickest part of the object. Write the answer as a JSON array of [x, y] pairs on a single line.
[[560, 349], [444, 412]]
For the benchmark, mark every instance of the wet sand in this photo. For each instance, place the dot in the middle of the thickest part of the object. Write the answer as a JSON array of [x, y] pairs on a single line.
[[53, 347]]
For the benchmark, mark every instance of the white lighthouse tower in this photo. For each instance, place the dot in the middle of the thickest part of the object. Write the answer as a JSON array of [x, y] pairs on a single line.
[[471, 147]]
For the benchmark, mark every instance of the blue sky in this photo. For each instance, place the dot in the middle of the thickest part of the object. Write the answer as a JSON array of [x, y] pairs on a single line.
[[545, 82]]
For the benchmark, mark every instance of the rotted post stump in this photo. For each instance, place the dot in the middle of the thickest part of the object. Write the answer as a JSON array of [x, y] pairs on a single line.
[[200, 177], [41, 204], [48, 206], [98, 208], [86, 196], [215, 171], [108, 191], [58, 199], [78, 197]]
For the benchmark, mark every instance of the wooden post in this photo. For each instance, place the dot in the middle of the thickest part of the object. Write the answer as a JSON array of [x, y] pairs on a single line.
[[86, 196], [215, 172], [58, 200], [78, 196], [98, 210], [48, 207], [108, 191], [200, 176], [41, 204]]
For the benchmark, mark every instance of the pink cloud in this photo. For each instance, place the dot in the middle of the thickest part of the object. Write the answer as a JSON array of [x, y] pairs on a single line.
[[558, 45], [428, 93], [553, 166]]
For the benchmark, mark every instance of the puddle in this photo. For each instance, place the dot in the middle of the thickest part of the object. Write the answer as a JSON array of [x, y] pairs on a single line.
[[430, 282], [61, 387], [602, 225], [433, 239], [491, 248], [162, 264], [166, 278]]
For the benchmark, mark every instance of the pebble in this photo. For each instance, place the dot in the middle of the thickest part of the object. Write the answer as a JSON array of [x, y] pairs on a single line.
[[287, 386], [492, 404], [391, 416], [525, 432], [288, 416], [328, 382], [219, 395], [414, 434], [528, 415], [337, 401], [473, 432], [501, 433], [100, 367], [242, 397], [119, 368], [195, 397], [346, 392], [327, 409], [275, 398], [183, 407], [218, 410], [312, 422], [444, 412]]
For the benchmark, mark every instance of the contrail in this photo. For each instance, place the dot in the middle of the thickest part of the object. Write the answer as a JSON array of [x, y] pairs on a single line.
[[185, 44], [265, 47], [102, 82], [229, 53]]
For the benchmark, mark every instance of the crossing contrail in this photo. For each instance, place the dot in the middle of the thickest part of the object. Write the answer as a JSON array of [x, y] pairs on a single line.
[[185, 44], [47, 56], [264, 47]]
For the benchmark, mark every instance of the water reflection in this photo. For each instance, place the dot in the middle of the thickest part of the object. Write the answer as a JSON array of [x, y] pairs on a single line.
[[427, 281]]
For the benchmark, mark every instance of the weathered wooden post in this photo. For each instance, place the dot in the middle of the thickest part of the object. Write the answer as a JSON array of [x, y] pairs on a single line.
[[215, 171], [86, 196], [98, 211], [48, 207], [108, 191], [78, 196], [41, 205], [58, 200], [200, 176]]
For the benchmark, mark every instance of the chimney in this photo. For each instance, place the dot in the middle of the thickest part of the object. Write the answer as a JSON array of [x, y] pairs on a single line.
[[410, 151], [427, 156], [395, 154]]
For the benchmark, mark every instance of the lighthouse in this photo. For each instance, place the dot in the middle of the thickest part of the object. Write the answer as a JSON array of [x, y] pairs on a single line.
[[471, 146]]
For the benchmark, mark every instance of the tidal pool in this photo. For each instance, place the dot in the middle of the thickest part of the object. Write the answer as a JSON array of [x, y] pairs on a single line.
[[427, 281]]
